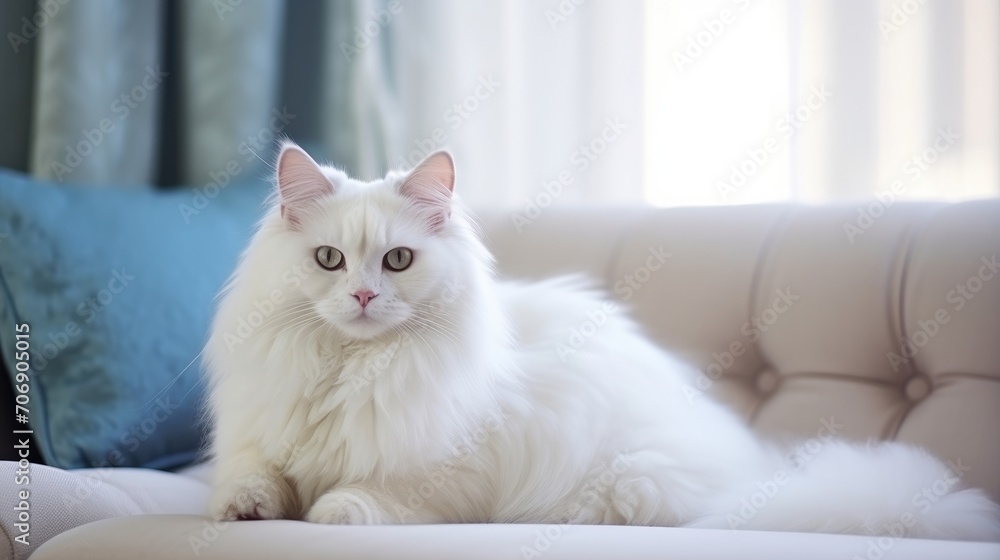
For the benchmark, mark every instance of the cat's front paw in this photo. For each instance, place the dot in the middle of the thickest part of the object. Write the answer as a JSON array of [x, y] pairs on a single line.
[[253, 497], [346, 506]]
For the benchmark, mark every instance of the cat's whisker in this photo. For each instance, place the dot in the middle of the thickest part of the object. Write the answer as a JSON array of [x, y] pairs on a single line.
[[441, 305], [446, 323], [434, 327], [433, 310], [446, 317], [441, 318], [426, 344], [429, 329], [296, 322], [317, 328], [286, 323], [291, 313]]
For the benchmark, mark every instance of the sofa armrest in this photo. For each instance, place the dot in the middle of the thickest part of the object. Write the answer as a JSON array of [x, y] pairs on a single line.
[[59, 500]]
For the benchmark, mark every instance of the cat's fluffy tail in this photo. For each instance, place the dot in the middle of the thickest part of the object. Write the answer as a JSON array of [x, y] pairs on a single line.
[[883, 489]]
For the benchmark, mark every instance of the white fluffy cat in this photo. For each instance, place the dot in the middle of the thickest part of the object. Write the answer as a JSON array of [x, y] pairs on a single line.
[[366, 367]]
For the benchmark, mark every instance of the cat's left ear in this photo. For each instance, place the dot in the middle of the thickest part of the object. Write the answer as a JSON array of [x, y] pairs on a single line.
[[430, 185], [301, 183]]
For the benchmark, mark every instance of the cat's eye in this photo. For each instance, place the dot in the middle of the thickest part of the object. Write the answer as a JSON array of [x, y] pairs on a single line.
[[398, 259], [329, 258]]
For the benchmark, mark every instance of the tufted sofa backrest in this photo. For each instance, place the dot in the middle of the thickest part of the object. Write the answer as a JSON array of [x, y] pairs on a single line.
[[867, 321]]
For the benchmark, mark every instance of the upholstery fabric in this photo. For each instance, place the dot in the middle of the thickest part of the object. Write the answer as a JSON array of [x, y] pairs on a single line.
[[117, 286], [162, 515], [183, 536], [877, 336], [60, 500]]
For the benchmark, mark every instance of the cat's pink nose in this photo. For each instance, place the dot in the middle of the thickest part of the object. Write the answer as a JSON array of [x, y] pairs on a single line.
[[364, 296]]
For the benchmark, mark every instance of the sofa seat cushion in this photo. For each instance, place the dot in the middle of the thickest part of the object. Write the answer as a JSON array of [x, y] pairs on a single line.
[[188, 536], [140, 513]]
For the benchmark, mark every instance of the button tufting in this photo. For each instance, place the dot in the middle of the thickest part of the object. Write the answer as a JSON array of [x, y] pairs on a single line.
[[917, 388], [767, 381]]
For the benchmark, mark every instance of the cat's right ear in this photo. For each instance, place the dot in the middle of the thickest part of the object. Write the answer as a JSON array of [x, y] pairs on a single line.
[[301, 182]]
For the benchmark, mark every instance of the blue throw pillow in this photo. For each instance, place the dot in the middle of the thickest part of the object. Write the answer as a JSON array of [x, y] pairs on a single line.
[[118, 288]]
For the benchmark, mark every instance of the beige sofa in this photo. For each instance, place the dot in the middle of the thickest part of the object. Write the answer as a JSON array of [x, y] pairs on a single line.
[[863, 320]]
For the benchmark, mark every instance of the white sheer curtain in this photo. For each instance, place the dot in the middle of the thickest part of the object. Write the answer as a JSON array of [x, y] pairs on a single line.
[[707, 102], [524, 93], [910, 100]]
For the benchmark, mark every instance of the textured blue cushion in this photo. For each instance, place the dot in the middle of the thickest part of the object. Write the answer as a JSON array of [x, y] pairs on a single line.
[[118, 287]]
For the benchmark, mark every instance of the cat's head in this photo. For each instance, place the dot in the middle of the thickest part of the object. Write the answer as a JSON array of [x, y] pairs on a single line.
[[382, 253]]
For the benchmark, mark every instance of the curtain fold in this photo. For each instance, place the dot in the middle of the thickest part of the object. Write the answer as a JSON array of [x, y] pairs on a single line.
[[855, 99], [533, 98], [187, 91], [358, 102], [96, 103], [17, 63], [230, 61]]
